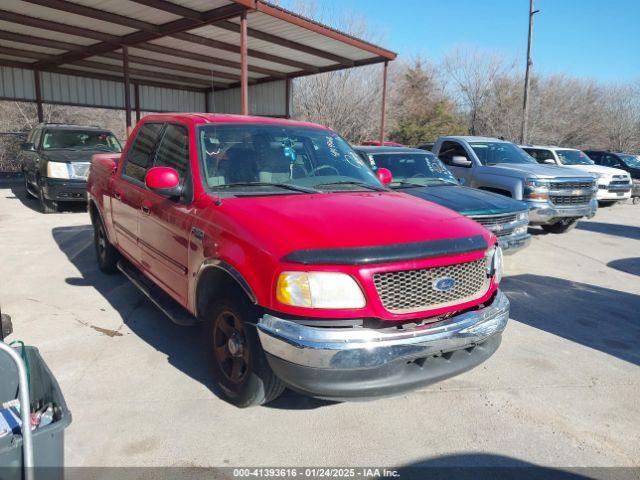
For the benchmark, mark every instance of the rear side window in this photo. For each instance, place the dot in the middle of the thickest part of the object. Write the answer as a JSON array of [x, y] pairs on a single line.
[[140, 156], [174, 150], [540, 155]]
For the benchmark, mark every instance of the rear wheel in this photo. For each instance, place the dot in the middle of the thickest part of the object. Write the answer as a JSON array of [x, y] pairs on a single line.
[[237, 360], [46, 205], [636, 200], [561, 226], [106, 253]]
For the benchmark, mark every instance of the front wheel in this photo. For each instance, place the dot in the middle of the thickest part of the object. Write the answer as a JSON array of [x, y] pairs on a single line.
[[561, 226], [237, 360], [46, 205], [26, 186]]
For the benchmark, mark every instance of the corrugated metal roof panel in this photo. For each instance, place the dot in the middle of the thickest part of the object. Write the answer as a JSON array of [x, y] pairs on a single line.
[[201, 5], [31, 48], [130, 9], [17, 83], [39, 32]]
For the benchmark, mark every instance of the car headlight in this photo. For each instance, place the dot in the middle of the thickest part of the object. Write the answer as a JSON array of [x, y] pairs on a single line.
[[495, 263], [523, 216], [58, 170], [536, 190], [319, 290]]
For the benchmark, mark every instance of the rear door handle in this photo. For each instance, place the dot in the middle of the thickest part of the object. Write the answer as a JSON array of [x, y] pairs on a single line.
[[146, 210]]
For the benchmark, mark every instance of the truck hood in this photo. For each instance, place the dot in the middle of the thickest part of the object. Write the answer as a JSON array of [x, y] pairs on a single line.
[[597, 169], [285, 223], [467, 201], [523, 170], [69, 155]]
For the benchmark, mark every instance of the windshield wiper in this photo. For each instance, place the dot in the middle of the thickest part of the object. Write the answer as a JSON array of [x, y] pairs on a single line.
[[288, 186], [352, 182]]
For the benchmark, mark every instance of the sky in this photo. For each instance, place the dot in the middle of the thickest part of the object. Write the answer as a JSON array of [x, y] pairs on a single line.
[[597, 39]]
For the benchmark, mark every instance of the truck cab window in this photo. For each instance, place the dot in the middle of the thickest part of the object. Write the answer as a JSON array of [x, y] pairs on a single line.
[[173, 151], [139, 158], [540, 155], [451, 149]]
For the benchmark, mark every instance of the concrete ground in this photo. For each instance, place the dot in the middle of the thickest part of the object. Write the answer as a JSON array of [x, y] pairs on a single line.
[[562, 390]]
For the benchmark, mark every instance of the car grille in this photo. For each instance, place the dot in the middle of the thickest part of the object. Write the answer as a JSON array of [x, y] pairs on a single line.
[[413, 290], [495, 224], [80, 170], [570, 200], [571, 185]]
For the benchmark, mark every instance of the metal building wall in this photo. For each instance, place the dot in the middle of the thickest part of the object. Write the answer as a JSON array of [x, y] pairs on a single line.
[[156, 99], [17, 84], [269, 99], [72, 90]]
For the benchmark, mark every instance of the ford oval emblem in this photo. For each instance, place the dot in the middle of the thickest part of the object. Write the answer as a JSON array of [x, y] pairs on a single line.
[[443, 284]]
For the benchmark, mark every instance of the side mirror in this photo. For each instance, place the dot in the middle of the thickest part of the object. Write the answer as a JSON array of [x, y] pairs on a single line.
[[384, 175], [549, 161], [164, 181], [460, 161], [27, 147]]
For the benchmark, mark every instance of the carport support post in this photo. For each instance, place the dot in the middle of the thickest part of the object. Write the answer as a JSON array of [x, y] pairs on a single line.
[[383, 109], [38, 88], [244, 66], [136, 100], [127, 87]]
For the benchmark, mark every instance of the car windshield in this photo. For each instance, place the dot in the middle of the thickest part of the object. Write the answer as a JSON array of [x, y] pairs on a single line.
[[630, 160], [573, 157], [490, 153], [267, 159], [413, 168], [69, 139]]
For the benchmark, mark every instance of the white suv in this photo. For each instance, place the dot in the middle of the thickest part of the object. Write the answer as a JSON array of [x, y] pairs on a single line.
[[614, 184]]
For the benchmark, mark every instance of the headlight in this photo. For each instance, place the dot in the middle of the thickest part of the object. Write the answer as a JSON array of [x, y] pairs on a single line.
[[495, 263], [319, 290], [523, 216], [520, 230], [536, 190], [58, 170]]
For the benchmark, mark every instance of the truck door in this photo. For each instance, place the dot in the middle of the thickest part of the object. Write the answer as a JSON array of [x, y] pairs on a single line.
[[128, 189], [450, 149], [165, 223]]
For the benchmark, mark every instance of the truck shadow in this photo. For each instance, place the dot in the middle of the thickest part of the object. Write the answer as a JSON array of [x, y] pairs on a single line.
[[617, 230], [487, 466], [145, 320], [20, 193], [599, 318], [627, 265]]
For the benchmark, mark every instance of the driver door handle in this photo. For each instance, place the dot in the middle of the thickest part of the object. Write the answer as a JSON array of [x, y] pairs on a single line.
[[145, 209], [117, 195]]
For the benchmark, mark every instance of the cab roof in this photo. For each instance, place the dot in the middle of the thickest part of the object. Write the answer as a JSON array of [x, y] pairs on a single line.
[[204, 118]]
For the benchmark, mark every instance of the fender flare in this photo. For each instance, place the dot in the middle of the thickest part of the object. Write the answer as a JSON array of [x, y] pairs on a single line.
[[229, 270]]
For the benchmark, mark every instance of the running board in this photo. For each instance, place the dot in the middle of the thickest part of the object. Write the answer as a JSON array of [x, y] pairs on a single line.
[[167, 305]]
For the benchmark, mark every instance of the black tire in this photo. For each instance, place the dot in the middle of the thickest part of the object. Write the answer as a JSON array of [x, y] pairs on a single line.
[[235, 355], [46, 205], [26, 186], [562, 226], [106, 253], [636, 200]]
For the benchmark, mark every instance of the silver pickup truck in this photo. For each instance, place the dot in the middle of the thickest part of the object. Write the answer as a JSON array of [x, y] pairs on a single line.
[[556, 196]]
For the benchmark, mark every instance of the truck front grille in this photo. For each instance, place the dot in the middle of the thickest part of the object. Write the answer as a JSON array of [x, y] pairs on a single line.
[[571, 185], [415, 290], [570, 200], [497, 224]]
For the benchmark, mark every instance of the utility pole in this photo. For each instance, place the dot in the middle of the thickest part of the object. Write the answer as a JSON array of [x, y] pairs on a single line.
[[525, 103]]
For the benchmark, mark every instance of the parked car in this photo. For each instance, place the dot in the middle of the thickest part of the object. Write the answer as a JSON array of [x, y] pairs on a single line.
[[426, 146], [422, 175], [55, 161], [623, 161], [614, 184], [386, 143], [304, 270], [557, 198]]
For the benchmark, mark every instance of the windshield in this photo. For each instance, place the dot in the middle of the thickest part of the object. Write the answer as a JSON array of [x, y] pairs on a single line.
[[264, 159], [413, 168], [573, 157], [630, 160], [80, 140], [490, 153]]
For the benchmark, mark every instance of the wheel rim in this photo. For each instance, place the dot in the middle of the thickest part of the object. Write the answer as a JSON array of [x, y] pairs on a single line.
[[230, 347], [102, 242]]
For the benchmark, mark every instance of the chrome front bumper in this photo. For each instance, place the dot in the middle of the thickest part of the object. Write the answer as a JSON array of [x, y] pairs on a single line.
[[512, 243], [543, 212], [346, 348]]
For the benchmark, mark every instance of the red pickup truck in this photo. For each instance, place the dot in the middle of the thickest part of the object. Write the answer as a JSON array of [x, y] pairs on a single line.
[[304, 269]]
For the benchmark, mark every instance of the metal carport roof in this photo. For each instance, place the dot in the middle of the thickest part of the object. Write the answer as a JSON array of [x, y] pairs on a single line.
[[187, 45]]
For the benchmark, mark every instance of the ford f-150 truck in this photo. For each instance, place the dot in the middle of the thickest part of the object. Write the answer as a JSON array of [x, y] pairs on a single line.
[[304, 270], [557, 198]]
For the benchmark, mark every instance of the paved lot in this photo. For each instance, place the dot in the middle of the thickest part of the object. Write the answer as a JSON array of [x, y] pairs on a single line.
[[561, 391]]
